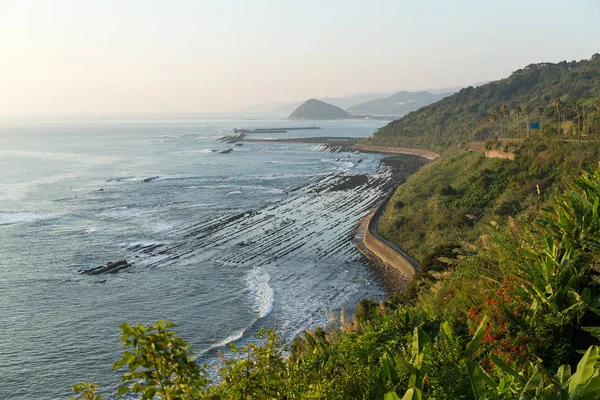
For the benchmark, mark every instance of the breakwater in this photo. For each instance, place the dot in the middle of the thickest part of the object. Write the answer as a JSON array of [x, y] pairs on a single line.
[[276, 130]]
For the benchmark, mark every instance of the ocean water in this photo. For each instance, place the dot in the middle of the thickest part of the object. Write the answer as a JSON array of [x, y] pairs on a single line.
[[221, 244]]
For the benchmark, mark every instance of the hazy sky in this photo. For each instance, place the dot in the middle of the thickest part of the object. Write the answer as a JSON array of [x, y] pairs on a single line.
[[128, 56]]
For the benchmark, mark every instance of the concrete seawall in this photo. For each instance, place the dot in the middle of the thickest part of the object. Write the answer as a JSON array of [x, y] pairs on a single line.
[[386, 253], [371, 244]]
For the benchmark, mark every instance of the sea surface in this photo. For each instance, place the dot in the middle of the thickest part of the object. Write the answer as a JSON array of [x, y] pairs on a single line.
[[221, 244]]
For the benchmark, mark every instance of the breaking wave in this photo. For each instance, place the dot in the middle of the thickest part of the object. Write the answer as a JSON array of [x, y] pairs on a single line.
[[15, 218], [260, 291]]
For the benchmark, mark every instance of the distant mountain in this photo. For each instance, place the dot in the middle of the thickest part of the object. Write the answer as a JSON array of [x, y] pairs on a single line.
[[400, 103], [316, 109], [453, 89], [346, 102], [280, 107]]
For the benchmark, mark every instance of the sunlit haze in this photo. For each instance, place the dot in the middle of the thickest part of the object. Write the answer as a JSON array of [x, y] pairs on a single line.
[[97, 57]]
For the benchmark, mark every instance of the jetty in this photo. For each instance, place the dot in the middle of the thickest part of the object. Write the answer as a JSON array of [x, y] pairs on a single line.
[[232, 138], [276, 130], [323, 139]]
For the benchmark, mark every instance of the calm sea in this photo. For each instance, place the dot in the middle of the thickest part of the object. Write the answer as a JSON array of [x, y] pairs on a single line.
[[221, 244]]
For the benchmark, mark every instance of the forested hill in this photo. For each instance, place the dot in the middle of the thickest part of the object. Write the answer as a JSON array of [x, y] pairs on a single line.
[[550, 94]]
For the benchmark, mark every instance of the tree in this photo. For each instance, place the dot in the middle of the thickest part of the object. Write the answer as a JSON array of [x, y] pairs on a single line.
[[159, 364], [518, 110], [559, 107], [504, 115], [540, 111], [577, 106], [527, 112]]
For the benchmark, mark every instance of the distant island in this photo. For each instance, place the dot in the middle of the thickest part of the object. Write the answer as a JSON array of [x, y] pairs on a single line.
[[317, 109], [314, 109], [398, 104]]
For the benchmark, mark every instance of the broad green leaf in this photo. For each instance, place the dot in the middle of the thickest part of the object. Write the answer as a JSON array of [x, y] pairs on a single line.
[[420, 340], [122, 390], [507, 369], [594, 330], [403, 366], [472, 345], [585, 370], [447, 329], [390, 371], [413, 394], [391, 396], [592, 390], [563, 374], [475, 380], [534, 381]]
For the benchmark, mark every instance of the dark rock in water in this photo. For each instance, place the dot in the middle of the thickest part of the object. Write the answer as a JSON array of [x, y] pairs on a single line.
[[100, 190], [152, 178], [359, 161], [349, 182], [109, 268], [239, 144], [226, 151], [118, 179]]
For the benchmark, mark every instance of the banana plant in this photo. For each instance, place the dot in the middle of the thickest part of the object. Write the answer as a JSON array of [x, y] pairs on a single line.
[[560, 276], [513, 384], [418, 365], [420, 361], [584, 384]]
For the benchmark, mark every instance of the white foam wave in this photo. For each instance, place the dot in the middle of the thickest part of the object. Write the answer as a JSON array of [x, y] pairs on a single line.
[[229, 339], [15, 218], [260, 291], [199, 205]]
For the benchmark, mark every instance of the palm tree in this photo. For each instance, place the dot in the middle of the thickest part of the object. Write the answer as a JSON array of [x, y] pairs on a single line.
[[504, 114], [518, 110], [497, 113], [559, 106], [527, 112], [540, 111], [577, 109]]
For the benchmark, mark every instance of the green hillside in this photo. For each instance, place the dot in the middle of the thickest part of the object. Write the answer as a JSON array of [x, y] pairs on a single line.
[[502, 108]]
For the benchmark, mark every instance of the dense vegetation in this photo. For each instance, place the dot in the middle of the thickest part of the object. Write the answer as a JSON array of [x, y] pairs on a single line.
[[563, 98], [443, 208]]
